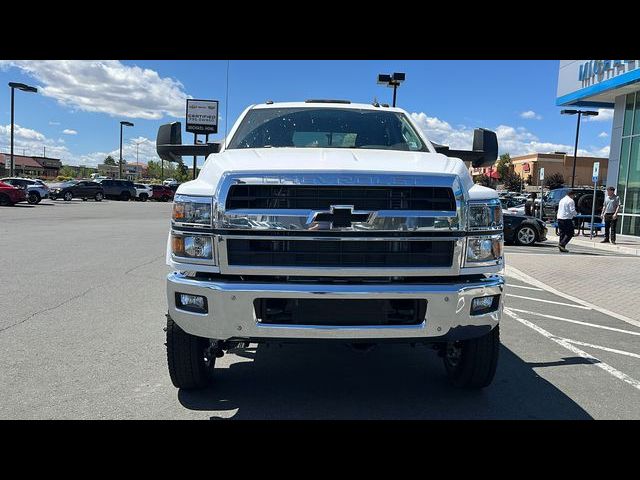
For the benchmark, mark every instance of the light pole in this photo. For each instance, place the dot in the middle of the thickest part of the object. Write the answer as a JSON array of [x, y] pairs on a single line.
[[24, 88], [137, 159], [122, 124], [589, 113], [393, 80]]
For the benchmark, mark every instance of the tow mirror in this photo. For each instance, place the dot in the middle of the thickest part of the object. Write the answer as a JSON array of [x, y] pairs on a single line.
[[169, 144], [484, 151]]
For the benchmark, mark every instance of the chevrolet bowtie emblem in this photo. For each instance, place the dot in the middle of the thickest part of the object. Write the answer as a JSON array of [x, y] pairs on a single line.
[[341, 216]]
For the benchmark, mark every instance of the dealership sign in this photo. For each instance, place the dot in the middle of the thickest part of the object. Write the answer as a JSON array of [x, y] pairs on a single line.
[[598, 68], [202, 116]]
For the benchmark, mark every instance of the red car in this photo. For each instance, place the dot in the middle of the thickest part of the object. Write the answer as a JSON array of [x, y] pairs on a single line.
[[10, 195], [162, 193]]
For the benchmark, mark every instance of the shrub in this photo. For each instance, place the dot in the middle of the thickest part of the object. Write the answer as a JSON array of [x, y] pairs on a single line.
[[553, 181]]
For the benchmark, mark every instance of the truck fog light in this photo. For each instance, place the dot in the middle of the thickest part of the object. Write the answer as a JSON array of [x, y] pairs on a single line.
[[481, 305], [191, 303]]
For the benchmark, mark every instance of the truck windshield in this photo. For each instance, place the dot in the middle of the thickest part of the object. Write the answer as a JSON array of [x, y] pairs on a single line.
[[326, 128]]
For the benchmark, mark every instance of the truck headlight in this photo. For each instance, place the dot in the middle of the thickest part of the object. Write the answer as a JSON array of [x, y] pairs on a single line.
[[485, 215], [483, 249], [192, 246], [191, 210]]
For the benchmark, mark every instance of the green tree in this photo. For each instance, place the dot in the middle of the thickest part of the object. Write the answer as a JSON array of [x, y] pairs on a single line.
[[182, 173], [503, 165], [110, 160], [553, 181], [485, 181], [67, 171], [511, 181]]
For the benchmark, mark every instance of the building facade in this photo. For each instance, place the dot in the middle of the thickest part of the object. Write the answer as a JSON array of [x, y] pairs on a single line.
[[25, 166], [611, 84], [559, 162]]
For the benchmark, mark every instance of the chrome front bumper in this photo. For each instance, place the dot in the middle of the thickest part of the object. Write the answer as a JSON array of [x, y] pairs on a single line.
[[231, 312]]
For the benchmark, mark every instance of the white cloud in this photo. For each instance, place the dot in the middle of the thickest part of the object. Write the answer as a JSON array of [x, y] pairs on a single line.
[[68, 131], [603, 135], [54, 123], [531, 115], [515, 141], [106, 86], [31, 142], [604, 115]]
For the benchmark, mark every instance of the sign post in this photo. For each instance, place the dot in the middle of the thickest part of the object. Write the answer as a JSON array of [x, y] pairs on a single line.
[[541, 191], [202, 118], [594, 178]]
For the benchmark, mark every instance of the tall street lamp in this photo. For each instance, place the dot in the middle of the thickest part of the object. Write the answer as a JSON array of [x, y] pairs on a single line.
[[393, 80], [588, 113], [24, 88], [122, 124]]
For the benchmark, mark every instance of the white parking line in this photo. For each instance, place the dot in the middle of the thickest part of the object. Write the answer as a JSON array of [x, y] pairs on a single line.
[[548, 301], [523, 277], [522, 286], [606, 349], [564, 343], [553, 317]]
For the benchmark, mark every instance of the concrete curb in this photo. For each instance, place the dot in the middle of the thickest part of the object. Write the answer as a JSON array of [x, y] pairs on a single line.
[[587, 242]]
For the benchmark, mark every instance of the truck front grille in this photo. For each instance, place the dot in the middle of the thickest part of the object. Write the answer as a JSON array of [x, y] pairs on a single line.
[[312, 197], [338, 312], [340, 253]]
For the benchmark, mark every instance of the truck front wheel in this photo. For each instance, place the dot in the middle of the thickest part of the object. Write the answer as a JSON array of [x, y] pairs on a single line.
[[472, 363], [189, 367]]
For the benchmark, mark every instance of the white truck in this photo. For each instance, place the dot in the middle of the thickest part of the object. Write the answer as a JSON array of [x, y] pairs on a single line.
[[331, 221]]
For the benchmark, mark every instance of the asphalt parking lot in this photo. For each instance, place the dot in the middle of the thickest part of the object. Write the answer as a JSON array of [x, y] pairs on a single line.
[[82, 312]]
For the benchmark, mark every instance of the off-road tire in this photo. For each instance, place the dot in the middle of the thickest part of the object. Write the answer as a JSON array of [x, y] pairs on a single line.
[[477, 364], [185, 358]]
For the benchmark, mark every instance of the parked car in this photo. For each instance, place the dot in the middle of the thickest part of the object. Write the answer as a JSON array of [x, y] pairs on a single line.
[[36, 189], [523, 230], [83, 189], [10, 195], [143, 191], [170, 182], [583, 199], [162, 193], [120, 189]]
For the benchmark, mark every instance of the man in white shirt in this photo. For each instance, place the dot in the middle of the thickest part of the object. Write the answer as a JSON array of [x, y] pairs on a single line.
[[566, 212]]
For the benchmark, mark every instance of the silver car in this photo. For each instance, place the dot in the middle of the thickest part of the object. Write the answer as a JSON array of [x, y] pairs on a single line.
[[36, 189]]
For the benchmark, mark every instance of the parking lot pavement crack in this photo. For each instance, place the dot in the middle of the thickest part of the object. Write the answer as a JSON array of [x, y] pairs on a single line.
[[157, 257], [48, 309]]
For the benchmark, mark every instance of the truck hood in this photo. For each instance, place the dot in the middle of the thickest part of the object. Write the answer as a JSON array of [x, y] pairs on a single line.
[[281, 160]]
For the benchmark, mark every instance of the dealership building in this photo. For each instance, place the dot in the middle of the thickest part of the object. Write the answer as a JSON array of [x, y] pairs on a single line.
[[611, 84]]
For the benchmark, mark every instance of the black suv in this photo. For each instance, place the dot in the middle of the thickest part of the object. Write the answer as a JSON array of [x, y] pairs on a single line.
[[120, 189], [583, 199], [83, 189]]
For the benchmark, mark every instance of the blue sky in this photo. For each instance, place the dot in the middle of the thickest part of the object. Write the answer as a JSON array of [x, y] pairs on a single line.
[[76, 113]]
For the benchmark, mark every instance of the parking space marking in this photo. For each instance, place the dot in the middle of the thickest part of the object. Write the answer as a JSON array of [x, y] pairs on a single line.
[[553, 317], [599, 347], [549, 301], [564, 343], [522, 286], [523, 277]]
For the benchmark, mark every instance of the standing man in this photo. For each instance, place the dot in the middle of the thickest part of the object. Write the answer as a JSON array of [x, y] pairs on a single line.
[[530, 205], [566, 212], [610, 214]]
